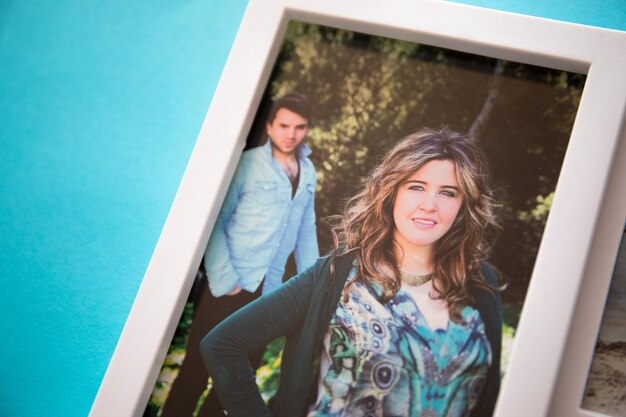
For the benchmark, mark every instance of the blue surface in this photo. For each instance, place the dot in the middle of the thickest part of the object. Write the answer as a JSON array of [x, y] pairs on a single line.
[[100, 105], [610, 14]]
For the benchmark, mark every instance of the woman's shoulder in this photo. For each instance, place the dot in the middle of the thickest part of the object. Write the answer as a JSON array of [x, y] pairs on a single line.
[[333, 261], [332, 267], [491, 274]]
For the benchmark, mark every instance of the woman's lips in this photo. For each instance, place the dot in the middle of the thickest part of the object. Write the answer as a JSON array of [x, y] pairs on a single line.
[[424, 222]]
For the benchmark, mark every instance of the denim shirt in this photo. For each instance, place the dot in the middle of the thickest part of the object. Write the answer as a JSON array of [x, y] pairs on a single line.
[[259, 224]]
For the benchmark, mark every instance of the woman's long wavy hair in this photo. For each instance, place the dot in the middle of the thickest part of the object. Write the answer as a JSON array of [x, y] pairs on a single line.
[[366, 228]]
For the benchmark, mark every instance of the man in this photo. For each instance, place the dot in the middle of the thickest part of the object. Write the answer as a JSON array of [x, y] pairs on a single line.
[[267, 214], [268, 211]]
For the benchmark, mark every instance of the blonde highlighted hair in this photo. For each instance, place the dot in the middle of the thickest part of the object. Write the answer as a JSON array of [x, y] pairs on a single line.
[[366, 228]]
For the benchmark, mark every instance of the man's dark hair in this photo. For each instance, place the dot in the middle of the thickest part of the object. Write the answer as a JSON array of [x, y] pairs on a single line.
[[295, 102]]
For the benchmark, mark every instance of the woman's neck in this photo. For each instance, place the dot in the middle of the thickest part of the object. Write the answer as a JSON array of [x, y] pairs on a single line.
[[416, 262]]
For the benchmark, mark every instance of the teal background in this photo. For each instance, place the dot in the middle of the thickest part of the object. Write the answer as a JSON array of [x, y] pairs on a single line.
[[100, 106]]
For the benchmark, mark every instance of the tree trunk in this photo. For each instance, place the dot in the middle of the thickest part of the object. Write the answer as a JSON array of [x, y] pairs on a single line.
[[481, 120]]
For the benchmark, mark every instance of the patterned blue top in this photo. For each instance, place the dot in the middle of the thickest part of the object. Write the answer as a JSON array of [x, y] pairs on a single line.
[[384, 360]]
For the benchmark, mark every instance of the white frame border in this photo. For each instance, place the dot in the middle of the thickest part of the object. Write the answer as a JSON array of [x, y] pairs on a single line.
[[587, 318], [582, 232]]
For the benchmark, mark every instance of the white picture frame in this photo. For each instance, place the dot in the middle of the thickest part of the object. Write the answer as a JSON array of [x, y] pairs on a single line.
[[562, 312], [588, 312]]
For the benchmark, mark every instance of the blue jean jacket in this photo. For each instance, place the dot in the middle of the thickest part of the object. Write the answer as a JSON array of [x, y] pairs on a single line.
[[259, 224]]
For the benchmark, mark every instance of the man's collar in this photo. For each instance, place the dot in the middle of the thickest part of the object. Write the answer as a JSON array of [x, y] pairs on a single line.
[[304, 150]]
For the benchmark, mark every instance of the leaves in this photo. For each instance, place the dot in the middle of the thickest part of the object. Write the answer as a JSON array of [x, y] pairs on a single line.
[[368, 92]]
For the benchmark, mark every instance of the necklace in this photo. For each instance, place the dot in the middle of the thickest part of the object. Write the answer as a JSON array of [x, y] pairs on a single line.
[[414, 279]]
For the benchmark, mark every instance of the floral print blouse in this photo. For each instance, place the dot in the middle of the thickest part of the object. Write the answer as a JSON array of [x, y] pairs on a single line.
[[385, 360]]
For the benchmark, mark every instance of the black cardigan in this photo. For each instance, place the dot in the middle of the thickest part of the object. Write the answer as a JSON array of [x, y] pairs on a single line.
[[301, 309]]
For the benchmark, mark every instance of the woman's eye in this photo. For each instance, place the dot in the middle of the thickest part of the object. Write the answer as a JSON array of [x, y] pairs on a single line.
[[416, 188], [448, 193]]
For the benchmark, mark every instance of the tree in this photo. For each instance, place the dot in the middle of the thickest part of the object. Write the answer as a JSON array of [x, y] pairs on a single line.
[[370, 91]]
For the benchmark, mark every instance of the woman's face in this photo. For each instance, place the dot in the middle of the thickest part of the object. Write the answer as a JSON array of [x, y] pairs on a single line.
[[426, 206]]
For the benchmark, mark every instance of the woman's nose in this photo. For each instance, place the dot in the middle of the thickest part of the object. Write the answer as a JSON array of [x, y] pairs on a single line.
[[429, 203]]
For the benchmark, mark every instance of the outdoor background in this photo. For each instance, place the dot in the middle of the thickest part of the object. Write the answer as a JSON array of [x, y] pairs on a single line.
[[100, 106], [368, 92]]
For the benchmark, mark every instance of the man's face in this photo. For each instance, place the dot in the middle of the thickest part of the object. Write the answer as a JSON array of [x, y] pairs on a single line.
[[287, 131]]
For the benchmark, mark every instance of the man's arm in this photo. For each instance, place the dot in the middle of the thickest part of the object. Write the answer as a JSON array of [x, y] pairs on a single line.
[[307, 250], [220, 272]]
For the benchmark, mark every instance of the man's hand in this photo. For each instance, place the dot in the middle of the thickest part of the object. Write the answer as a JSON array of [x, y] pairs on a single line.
[[235, 290]]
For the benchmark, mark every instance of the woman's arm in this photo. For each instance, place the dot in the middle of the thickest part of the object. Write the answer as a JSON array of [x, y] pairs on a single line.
[[225, 349]]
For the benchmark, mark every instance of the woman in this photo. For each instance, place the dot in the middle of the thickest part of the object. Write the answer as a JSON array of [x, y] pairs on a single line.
[[402, 319]]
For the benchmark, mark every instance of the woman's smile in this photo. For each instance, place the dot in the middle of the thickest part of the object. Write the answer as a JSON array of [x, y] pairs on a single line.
[[422, 222], [426, 206]]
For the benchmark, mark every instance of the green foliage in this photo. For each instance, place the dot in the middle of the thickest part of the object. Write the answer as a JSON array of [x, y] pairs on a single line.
[[201, 400], [268, 376], [369, 91], [171, 364], [539, 213], [508, 336]]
